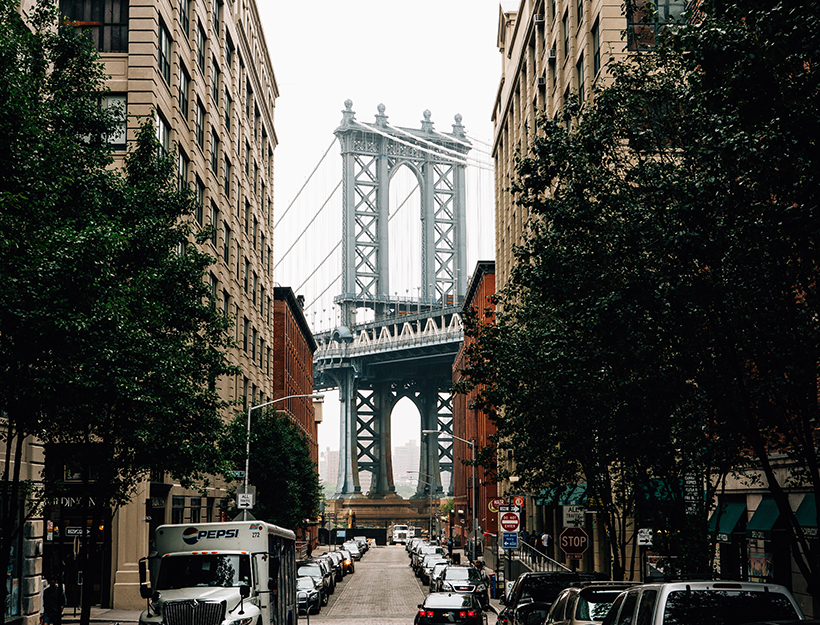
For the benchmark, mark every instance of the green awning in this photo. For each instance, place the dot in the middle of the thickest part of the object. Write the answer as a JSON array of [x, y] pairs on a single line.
[[567, 495], [807, 515], [725, 518], [763, 520]]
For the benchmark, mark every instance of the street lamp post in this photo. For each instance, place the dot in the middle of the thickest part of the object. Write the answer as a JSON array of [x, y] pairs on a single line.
[[431, 486], [316, 396], [474, 499]]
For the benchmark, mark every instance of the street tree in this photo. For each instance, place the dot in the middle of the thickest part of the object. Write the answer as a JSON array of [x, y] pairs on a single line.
[[281, 468], [110, 344], [660, 321]]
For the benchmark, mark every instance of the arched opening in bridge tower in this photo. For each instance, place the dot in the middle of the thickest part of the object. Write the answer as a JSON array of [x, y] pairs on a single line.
[[404, 239], [405, 432]]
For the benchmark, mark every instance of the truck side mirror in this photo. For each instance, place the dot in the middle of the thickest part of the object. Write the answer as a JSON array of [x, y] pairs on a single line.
[[244, 591], [145, 589]]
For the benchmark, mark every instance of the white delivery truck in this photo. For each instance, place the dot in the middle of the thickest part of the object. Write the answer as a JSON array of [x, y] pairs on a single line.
[[398, 535], [239, 573]]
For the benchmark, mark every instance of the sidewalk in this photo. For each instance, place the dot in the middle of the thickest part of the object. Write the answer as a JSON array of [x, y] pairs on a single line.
[[103, 615]]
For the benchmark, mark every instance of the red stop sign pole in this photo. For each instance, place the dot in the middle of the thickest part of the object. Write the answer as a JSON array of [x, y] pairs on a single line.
[[574, 542]]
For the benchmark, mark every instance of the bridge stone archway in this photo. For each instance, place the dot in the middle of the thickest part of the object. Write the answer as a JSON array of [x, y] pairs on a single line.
[[409, 348]]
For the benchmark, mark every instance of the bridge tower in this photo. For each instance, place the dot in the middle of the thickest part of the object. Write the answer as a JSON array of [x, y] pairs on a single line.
[[371, 380]]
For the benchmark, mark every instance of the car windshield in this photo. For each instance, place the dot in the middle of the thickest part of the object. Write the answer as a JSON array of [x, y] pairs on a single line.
[[543, 588], [189, 571], [304, 583], [724, 607], [593, 604], [448, 600], [314, 570], [461, 575]]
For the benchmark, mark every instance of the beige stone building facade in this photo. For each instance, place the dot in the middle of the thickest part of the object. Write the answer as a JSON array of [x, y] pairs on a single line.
[[201, 69], [551, 50]]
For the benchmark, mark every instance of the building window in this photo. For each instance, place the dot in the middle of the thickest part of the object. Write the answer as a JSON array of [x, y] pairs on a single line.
[[248, 101], [184, 88], [216, 5], [228, 103], [214, 283], [214, 151], [580, 12], [182, 169], [255, 285], [247, 216], [253, 345], [228, 52], [200, 124], [247, 274], [214, 222], [200, 200], [228, 173], [163, 135], [118, 101], [200, 46], [255, 231], [596, 49], [215, 82], [646, 20], [226, 244], [106, 21], [565, 26], [579, 71], [246, 327], [165, 53], [247, 158], [226, 302], [185, 15], [196, 509], [177, 509]]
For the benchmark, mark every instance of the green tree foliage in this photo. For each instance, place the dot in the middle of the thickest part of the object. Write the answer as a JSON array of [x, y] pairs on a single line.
[[661, 320], [287, 484], [109, 342]]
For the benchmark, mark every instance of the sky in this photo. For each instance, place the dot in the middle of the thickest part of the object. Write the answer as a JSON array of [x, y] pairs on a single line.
[[436, 55]]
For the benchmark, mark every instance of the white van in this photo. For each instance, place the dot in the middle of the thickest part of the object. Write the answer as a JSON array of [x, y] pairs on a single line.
[[239, 573]]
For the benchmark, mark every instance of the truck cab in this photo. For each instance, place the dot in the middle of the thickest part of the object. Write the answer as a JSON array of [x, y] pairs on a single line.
[[240, 573]]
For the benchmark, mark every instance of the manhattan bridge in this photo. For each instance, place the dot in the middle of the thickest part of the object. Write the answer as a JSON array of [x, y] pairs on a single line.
[[380, 240]]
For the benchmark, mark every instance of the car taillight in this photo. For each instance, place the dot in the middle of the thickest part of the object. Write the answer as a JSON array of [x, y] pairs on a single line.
[[427, 613], [472, 614]]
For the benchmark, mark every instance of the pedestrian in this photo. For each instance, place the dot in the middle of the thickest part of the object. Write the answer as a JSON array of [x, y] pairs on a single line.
[[53, 602], [450, 548], [309, 548], [545, 543]]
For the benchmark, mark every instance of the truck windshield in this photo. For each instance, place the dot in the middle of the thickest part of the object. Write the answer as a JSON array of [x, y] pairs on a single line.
[[188, 571]]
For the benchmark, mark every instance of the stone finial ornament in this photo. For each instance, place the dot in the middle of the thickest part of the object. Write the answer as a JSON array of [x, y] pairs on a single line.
[[458, 129], [381, 118], [426, 124]]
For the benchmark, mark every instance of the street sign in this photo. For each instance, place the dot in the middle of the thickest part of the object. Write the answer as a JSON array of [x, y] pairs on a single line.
[[495, 502], [573, 516], [236, 474], [510, 521], [508, 508], [645, 537], [509, 540], [574, 542], [244, 501], [518, 500]]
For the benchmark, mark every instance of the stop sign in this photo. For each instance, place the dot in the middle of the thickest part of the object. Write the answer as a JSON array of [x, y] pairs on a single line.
[[574, 542], [510, 521]]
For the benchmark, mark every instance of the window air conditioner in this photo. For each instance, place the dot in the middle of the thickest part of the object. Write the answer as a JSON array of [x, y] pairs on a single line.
[[551, 56], [542, 82], [538, 18]]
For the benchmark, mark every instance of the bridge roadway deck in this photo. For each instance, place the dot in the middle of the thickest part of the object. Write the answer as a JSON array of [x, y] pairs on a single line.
[[382, 591]]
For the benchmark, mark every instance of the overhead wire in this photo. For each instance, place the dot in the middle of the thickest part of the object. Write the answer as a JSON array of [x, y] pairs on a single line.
[[298, 193]]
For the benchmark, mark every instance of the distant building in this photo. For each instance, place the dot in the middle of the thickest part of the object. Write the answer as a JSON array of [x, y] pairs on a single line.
[[329, 465]]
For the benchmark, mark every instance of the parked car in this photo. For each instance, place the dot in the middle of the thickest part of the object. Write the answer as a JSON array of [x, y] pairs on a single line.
[[364, 545], [426, 550], [537, 587], [308, 595], [320, 574], [411, 545], [450, 608], [334, 560], [584, 603], [465, 580], [353, 548], [435, 576], [704, 603], [426, 568], [348, 560]]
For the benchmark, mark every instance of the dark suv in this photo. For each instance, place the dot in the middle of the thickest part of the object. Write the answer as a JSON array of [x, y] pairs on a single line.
[[541, 587], [321, 573]]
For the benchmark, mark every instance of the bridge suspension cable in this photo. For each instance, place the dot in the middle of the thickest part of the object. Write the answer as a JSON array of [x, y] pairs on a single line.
[[305, 229], [298, 193]]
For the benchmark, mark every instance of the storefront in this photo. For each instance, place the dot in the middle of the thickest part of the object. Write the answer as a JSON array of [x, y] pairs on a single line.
[[728, 526]]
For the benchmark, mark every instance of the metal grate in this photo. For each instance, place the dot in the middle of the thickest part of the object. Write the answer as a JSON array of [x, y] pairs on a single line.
[[193, 612]]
